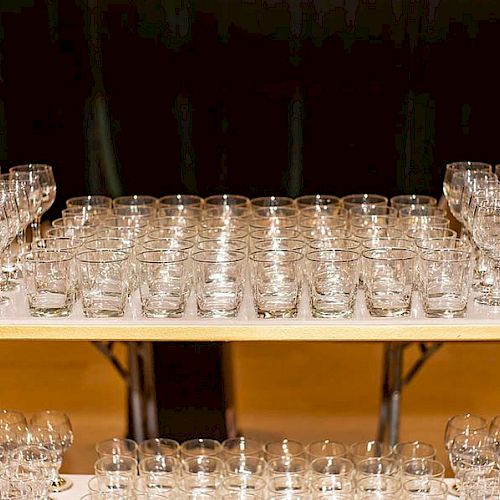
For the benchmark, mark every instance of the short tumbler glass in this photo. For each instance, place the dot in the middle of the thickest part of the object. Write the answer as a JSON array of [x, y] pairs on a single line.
[[388, 278]]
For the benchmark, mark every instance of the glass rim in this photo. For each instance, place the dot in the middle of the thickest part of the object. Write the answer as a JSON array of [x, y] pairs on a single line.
[[292, 255], [63, 255], [364, 196], [432, 253], [148, 200], [238, 200], [214, 256], [146, 256], [31, 167], [411, 255], [351, 256], [180, 196], [114, 256], [432, 200]]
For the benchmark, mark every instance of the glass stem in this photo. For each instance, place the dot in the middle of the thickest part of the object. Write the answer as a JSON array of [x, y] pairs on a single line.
[[35, 229]]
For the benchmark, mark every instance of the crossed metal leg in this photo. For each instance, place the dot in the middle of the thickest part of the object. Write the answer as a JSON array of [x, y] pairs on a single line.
[[140, 378], [393, 382]]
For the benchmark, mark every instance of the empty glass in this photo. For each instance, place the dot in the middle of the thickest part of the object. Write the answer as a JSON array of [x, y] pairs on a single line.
[[164, 283], [103, 279], [446, 277], [333, 277], [276, 283], [219, 282], [388, 278]]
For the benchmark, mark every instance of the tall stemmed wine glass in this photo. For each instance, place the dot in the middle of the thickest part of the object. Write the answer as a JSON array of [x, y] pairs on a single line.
[[54, 428], [48, 189], [453, 183], [7, 257], [7, 234], [486, 235]]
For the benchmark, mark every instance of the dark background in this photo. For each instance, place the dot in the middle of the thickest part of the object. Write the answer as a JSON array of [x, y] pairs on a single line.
[[250, 96]]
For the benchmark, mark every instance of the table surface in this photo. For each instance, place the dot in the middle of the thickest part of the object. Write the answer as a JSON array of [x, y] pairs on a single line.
[[481, 323], [80, 488]]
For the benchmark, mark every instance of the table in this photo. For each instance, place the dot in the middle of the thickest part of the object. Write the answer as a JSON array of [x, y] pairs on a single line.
[[481, 323], [80, 488]]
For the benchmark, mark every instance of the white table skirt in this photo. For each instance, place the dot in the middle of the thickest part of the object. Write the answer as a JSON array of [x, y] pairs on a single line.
[[80, 488]]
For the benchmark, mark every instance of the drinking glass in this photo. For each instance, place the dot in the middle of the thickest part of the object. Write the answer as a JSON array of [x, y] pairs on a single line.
[[353, 200], [276, 282], [6, 236], [284, 448], [201, 473], [116, 446], [494, 432], [150, 485], [333, 277], [406, 200], [135, 200], [219, 282], [159, 466], [460, 424], [388, 278], [181, 201], [50, 290], [407, 450], [377, 466], [58, 422], [367, 449], [288, 485], [421, 210], [47, 186], [13, 430], [231, 200], [242, 485], [425, 488], [116, 473], [200, 447], [271, 201], [446, 277], [421, 467], [326, 448], [163, 283], [90, 202], [159, 447], [378, 484], [487, 237], [249, 465], [315, 200], [241, 446], [103, 280]]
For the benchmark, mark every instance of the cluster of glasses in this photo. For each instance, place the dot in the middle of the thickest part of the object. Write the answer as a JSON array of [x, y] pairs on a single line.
[[242, 468], [102, 250], [31, 454], [473, 193], [26, 193], [473, 446]]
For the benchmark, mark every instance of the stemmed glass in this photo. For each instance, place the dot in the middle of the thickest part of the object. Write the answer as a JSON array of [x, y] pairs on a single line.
[[454, 182], [486, 235], [48, 189], [7, 234], [52, 429], [462, 425], [9, 205]]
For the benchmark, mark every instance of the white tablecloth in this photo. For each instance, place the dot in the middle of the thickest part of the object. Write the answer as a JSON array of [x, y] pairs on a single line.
[[80, 488]]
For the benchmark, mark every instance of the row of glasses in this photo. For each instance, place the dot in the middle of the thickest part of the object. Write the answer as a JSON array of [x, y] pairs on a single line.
[[244, 468], [130, 246], [32, 451]]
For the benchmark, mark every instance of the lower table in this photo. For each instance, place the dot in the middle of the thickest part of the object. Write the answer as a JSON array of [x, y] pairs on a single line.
[[80, 488]]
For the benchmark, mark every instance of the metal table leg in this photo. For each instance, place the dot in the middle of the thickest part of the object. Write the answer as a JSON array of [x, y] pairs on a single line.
[[140, 379], [393, 382]]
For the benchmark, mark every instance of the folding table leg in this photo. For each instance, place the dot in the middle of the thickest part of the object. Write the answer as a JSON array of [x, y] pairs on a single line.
[[396, 385], [135, 391], [149, 392], [385, 396]]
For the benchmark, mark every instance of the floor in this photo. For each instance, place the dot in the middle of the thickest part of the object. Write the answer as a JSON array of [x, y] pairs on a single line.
[[306, 391]]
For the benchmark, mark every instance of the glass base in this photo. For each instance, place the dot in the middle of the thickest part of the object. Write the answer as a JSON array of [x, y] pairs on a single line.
[[325, 314], [9, 286], [447, 313], [277, 313], [380, 312], [218, 313], [61, 484], [50, 312], [162, 313], [487, 300], [103, 313]]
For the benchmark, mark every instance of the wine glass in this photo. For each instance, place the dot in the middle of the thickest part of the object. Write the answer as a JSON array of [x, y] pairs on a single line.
[[8, 257], [6, 237], [48, 190], [486, 235], [494, 432], [54, 427], [13, 430]]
